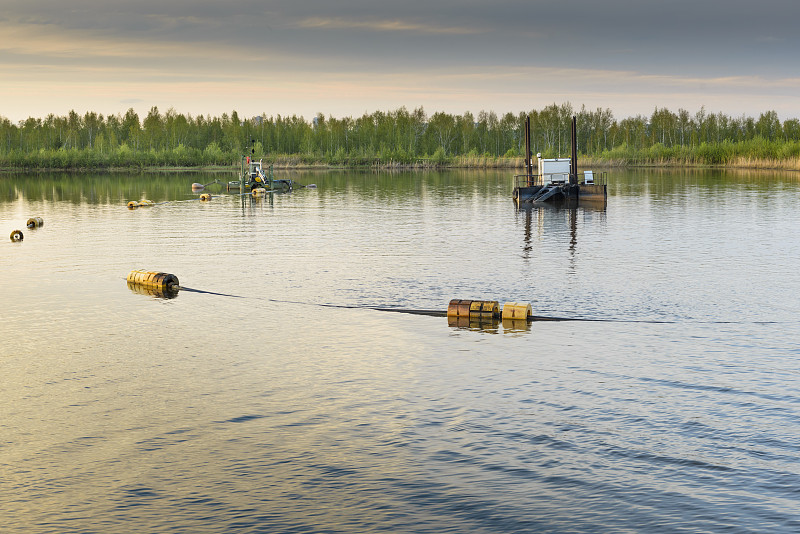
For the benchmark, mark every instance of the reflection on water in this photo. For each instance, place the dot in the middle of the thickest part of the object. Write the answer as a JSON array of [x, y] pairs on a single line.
[[543, 219], [272, 397], [158, 292], [490, 325]]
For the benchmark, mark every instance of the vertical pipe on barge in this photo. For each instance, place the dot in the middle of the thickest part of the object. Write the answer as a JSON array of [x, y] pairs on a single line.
[[573, 163], [528, 155]]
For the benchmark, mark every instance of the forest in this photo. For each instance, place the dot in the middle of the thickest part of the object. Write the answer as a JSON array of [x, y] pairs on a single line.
[[397, 138]]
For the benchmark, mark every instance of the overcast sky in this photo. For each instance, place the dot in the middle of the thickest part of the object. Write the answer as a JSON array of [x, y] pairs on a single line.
[[348, 57]]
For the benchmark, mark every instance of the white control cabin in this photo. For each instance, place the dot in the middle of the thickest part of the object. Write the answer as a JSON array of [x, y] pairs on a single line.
[[553, 170]]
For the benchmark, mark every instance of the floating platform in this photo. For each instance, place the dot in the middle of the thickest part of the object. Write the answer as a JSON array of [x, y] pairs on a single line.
[[560, 192], [558, 180]]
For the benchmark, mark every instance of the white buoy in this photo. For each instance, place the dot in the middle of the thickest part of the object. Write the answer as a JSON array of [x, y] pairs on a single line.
[[197, 187]]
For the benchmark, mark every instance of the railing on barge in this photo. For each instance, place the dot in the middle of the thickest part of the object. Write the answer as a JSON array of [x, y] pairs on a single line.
[[538, 180]]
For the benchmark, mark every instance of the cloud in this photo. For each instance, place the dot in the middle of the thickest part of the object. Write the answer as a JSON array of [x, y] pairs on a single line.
[[342, 56], [393, 25]]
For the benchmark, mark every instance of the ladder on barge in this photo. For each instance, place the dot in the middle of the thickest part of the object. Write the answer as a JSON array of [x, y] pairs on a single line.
[[546, 192]]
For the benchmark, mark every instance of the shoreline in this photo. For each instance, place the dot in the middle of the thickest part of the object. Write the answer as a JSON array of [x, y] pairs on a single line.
[[792, 165]]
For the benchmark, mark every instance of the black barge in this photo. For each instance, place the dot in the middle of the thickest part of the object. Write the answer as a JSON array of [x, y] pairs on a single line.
[[558, 180]]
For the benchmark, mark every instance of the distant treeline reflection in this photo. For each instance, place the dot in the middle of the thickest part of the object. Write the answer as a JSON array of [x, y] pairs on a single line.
[[397, 138]]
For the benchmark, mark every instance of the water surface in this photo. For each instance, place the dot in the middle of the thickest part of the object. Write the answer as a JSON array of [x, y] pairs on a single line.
[[290, 406]]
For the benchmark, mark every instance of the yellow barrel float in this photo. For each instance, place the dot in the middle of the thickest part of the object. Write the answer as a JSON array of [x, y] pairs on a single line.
[[473, 309], [154, 280], [484, 309], [17, 235], [458, 308], [35, 222], [146, 203], [258, 191], [132, 205], [205, 197], [517, 311]]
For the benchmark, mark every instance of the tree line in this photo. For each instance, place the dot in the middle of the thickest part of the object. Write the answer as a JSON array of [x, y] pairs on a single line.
[[399, 137]]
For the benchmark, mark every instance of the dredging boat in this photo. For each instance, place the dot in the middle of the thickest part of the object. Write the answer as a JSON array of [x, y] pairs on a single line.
[[252, 175], [558, 179]]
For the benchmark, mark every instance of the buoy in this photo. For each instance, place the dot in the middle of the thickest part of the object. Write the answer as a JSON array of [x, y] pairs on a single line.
[[311, 186], [154, 280], [258, 191], [205, 197], [35, 222], [484, 309], [145, 203], [517, 310], [197, 187], [458, 308], [132, 205], [473, 309], [17, 235]]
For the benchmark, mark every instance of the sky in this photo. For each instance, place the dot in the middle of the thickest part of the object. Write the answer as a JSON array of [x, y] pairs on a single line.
[[350, 57]]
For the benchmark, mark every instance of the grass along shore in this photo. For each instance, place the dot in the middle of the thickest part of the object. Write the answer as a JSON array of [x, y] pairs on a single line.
[[168, 161]]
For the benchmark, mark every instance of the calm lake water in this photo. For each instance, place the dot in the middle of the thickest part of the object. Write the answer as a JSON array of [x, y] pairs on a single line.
[[278, 401]]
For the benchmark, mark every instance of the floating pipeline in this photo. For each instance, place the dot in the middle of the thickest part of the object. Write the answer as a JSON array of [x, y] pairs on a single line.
[[17, 235], [480, 314], [35, 222], [133, 204], [256, 193], [514, 315]]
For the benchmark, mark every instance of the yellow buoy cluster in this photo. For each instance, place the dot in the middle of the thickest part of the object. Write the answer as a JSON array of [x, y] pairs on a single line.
[[33, 222], [464, 313], [154, 280], [488, 309], [205, 197]]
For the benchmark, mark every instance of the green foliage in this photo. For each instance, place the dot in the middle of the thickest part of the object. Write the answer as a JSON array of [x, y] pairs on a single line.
[[399, 137], [440, 157]]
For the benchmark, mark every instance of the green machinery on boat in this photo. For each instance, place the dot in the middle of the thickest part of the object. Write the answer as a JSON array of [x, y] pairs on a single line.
[[252, 175]]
